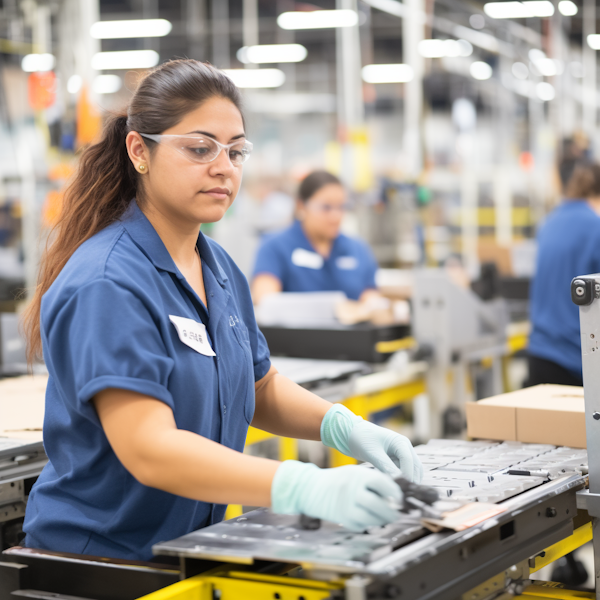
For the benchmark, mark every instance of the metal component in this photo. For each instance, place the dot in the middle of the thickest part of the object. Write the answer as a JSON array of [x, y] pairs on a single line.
[[596, 415], [551, 512]]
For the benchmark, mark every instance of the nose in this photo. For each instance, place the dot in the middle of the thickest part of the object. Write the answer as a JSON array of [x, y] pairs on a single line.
[[221, 165]]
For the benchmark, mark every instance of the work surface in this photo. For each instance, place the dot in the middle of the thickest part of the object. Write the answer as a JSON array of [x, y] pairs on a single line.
[[461, 472]]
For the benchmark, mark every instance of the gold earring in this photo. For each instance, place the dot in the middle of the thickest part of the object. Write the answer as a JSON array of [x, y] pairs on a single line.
[[142, 167]]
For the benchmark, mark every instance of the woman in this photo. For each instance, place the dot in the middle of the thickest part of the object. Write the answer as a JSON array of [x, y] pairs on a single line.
[[568, 246], [156, 364], [312, 255]]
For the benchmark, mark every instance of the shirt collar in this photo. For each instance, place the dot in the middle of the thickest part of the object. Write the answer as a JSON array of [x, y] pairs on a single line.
[[145, 237], [303, 239]]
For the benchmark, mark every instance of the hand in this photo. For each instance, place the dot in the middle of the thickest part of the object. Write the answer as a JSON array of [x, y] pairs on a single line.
[[386, 450], [355, 497]]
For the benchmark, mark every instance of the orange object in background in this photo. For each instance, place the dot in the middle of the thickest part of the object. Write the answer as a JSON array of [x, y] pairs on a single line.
[[52, 207], [89, 121], [526, 161], [41, 89]]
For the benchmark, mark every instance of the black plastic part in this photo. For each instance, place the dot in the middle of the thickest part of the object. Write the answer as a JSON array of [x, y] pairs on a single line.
[[424, 493], [355, 342], [582, 291], [309, 523]]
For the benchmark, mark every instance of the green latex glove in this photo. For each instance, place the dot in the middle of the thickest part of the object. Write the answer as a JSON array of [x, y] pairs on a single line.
[[353, 496], [386, 450]]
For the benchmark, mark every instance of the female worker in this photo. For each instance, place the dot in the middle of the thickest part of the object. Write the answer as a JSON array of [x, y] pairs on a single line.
[[568, 246], [156, 364], [312, 255]]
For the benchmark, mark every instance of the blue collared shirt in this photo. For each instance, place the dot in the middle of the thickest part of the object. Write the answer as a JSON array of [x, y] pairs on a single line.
[[568, 246], [105, 324], [291, 258]]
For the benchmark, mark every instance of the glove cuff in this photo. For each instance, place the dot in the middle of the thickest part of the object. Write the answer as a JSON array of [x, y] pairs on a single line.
[[337, 426], [288, 484]]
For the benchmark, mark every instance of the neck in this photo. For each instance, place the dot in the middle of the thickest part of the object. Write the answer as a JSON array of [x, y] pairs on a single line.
[[322, 245], [179, 237], [594, 204]]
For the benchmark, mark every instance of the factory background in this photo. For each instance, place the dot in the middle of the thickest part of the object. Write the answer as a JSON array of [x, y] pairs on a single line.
[[454, 126]]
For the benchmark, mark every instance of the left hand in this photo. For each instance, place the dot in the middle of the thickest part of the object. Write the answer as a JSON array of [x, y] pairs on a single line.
[[386, 450]]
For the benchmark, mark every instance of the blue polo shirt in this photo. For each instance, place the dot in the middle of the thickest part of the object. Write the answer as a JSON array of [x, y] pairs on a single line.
[[105, 324], [568, 246], [291, 258]]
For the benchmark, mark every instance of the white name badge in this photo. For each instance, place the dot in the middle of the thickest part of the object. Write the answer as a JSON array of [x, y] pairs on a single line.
[[192, 334], [305, 258], [347, 263]]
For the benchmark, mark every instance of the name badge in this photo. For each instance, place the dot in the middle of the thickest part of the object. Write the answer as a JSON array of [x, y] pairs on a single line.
[[347, 263], [192, 334], [305, 258]]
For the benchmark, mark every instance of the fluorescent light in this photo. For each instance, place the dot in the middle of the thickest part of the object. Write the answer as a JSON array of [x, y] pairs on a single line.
[[74, 84], [317, 19], [477, 21], [391, 73], [129, 59], [567, 8], [480, 70], [593, 41], [137, 28], [256, 78], [547, 67], [431, 48], [37, 62], [272, 53], [545, 91], [441, 48], [520, 70], [519, 10], [107, 84]]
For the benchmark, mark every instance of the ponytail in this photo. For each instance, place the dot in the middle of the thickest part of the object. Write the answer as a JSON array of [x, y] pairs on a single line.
[[106, 181], [103, 186]]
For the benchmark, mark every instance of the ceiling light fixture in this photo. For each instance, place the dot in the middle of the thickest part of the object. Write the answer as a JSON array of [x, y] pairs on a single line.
[[38, 62], [129, 59], [107, 84], [519, 10], [390, 73], [256, 78], [272, 53], [136, 28], [480, 70], [317, 19], [567, 8]]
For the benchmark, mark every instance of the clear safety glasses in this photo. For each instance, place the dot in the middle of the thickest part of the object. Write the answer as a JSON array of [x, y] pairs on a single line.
[[202, 149]]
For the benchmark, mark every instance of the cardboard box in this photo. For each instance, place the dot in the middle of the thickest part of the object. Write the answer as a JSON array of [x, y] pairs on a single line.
[[544, 414], [22, 403]]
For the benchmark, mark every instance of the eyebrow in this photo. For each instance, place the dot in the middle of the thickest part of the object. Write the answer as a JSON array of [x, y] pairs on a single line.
[[212, 135]]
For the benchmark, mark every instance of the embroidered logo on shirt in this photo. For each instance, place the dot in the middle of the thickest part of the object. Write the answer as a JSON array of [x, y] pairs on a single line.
[[233, 320], [347, 263]]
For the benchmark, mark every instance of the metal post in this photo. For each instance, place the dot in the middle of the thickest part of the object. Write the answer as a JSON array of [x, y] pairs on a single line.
[[220, 33], [412, 33], [585, 291], [589, 64]]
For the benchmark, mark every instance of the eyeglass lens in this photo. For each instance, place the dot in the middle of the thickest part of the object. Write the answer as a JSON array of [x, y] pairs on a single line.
[[206, 150]]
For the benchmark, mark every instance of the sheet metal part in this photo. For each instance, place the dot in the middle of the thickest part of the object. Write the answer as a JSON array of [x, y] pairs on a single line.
[[261, 535]]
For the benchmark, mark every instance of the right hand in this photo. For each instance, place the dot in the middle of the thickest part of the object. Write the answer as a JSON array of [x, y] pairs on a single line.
[[353, 496]]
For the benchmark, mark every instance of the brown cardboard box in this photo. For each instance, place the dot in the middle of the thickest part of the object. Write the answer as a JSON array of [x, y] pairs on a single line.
[[22, 406], [544, 414]]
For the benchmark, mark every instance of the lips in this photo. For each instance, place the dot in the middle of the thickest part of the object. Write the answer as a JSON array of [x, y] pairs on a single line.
[[218, 193]]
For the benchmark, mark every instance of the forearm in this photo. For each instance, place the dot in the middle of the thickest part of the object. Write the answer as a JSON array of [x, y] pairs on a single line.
[[285, 408], [186, 464]]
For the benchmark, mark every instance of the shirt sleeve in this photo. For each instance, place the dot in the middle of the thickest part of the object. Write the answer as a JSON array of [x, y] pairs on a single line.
[[103, 337], [270, 259], [371, 267]]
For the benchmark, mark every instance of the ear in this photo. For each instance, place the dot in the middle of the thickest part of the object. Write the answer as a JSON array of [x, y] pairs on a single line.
[[137, 150]]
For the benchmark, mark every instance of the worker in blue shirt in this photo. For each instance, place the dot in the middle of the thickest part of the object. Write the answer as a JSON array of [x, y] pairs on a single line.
[[312, 255], [156, 365], [568, 245]]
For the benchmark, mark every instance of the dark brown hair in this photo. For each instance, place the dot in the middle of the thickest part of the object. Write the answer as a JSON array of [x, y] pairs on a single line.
[[313, 182], [105, 181], [584, 183]]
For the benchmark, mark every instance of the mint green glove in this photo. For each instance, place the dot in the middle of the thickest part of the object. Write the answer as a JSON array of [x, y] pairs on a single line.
[[386, 450], [353, 496]]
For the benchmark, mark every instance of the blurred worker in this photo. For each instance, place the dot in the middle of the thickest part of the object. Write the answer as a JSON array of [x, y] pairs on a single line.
[[568, 245], [156, 364], [312, 255]]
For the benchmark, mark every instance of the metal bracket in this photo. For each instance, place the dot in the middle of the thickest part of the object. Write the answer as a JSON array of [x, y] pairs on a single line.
[[588, 501]]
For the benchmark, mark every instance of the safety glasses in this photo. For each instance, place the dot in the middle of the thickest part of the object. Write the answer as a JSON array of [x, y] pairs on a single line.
[[202, 149]]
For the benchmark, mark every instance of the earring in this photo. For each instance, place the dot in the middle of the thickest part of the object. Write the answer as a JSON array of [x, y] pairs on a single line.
[[142, 168]]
